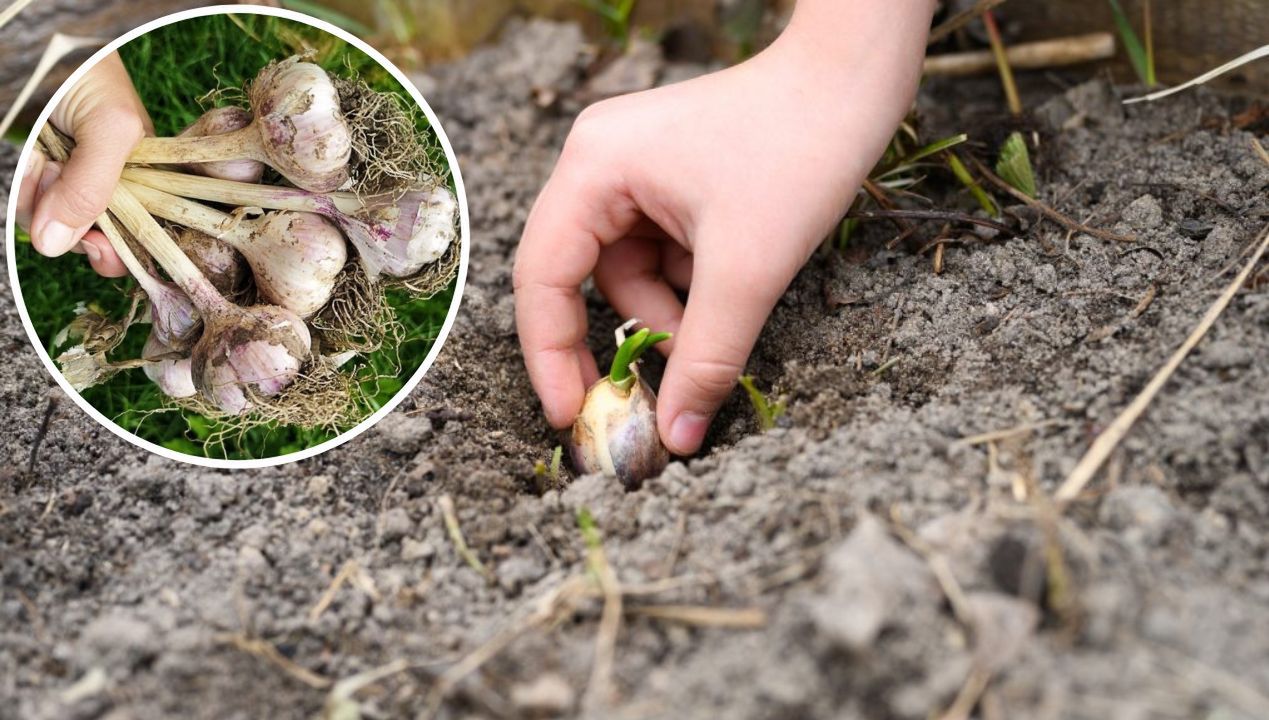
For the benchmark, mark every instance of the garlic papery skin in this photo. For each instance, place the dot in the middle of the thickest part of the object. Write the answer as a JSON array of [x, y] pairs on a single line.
[[219, 121], [173, 375], [258, 350], [301, 125], [175, 321], [616, 433], [399, 237], [295, 257], [216, 259], [298, 129]]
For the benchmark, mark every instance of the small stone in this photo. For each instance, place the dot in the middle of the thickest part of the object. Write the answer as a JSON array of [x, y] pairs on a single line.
[[118, 638], [1141, 510], [519, 570], [872, 580], [1225, 354], [396, 524], [1144, 213], [318, 486], [404, 434], [412, 550], [548, 695], [1194, 228]]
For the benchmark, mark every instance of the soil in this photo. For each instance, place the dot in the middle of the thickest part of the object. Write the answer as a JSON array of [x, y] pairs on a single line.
[[134, 587]]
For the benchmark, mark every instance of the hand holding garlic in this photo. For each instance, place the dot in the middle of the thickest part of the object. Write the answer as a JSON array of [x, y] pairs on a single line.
[[58, 202]]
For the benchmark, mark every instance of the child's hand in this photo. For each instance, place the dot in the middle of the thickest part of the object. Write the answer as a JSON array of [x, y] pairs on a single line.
[[725, 185], [57, 204]]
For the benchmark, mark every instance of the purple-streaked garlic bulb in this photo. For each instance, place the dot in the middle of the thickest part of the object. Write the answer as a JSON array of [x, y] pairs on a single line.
[[297, 128], [246, 351]]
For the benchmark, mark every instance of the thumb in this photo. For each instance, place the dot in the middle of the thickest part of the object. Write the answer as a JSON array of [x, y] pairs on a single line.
[[104, 138], [730, 299]]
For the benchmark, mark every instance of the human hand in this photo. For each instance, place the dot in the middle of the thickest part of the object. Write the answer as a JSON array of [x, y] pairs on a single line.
[[58, 204], [722, 186]]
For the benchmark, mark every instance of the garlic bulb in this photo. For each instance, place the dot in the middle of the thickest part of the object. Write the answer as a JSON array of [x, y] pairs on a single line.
[[616, 433], [248, 351], [298, 129], [303, 130], [175, 320], [399, 237], [173, 375], [216, 259], [219, 121]]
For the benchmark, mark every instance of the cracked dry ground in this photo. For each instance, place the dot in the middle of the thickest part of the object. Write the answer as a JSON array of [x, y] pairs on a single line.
[[133, 572]]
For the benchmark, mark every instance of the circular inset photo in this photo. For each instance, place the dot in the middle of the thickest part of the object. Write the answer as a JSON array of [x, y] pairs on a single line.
[[281, 257]]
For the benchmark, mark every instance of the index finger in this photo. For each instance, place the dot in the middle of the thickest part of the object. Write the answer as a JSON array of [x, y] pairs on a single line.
[[580, 209]]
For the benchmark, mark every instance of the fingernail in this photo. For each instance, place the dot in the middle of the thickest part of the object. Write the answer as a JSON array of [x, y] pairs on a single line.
[[92, 251], [55, 239], [687, 431]]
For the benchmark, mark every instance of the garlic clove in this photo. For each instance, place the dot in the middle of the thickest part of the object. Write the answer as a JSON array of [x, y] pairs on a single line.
[[219, 121], [616, 434], [302, 128]]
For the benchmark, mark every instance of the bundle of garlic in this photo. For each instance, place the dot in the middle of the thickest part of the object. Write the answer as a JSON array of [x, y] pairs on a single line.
[[267, 282]]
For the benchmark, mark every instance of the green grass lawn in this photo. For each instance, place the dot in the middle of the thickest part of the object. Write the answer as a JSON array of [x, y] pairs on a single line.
[[175, 67]]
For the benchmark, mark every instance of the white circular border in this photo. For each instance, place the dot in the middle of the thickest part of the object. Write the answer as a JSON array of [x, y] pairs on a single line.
[[464, 237]]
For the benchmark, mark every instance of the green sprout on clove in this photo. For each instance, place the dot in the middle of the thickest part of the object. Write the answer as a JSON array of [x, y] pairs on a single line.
[[767, 408], [621, 374], [616, 430]]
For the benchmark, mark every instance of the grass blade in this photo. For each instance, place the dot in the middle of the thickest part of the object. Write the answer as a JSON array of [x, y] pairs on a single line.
[[935, 147], [1142, 62], [962, 173], [334, 17]]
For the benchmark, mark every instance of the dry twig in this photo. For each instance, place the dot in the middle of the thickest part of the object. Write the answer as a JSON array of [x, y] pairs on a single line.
[[456, 536], [1044, 209], [1026, 56], [961, 19]]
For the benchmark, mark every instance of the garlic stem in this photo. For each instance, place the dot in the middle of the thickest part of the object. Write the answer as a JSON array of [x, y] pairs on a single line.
[[272, 197], [165, 252], [243, 143], [295, 256], [396, 236]]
